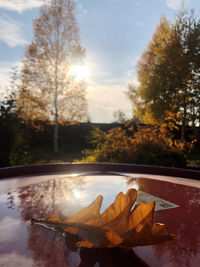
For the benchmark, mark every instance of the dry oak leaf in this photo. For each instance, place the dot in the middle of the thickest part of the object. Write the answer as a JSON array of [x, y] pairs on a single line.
[[118, 225]]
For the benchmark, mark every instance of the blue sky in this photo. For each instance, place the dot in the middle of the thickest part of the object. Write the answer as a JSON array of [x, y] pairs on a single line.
[[114, 34]]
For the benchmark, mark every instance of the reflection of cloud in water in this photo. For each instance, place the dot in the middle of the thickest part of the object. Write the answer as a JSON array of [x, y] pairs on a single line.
[[68, 195], [108, 186], [15, 259], [8, 229]]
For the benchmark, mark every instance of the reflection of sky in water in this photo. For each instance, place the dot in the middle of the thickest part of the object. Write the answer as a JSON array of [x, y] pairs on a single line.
[[69, 194], [82, 194], [13, 233], [15, 259], [9, 228], [24, 244]]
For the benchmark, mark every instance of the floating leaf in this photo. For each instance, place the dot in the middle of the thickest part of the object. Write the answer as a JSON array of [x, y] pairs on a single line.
[[119, 225]]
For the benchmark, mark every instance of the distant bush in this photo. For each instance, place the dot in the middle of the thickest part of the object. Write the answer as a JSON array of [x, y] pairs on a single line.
[[20, 154], [154, 145]]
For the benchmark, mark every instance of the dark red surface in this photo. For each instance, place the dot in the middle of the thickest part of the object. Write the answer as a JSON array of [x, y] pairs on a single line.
[[101, 167], [26, 244], [184, 221]]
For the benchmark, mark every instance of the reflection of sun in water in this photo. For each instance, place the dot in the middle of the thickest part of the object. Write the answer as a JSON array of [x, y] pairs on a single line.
[[77, 194], [79, 72], [134, 185]]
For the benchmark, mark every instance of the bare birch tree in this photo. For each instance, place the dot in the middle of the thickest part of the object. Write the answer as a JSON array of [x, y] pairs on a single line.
[[47, 92]]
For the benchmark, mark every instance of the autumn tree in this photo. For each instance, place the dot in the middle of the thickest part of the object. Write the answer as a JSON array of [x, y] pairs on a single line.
[[168, 72], [47, 92]]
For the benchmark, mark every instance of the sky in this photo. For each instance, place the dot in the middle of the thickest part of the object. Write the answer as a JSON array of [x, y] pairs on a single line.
[[114, 33]]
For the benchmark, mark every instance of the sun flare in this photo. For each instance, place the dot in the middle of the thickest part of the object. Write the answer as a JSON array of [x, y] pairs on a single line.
[[79, 72], [77, 194]]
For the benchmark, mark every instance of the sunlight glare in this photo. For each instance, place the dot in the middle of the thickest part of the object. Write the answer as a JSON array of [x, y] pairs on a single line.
[[77, 194], [79, 72]]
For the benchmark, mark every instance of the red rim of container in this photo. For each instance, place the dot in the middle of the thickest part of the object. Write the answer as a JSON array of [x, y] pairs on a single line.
[[42, 169]]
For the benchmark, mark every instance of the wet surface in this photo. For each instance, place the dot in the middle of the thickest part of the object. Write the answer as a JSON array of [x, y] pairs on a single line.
[[27, 244]]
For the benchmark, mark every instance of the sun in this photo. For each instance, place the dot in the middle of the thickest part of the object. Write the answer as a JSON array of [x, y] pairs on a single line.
[[79, 72], [77, 194]]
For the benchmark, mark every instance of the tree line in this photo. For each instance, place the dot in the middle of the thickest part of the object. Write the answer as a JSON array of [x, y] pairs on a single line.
[[43, 92]]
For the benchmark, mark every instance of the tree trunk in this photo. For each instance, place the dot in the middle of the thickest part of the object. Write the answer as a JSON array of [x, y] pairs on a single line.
[[183, 133], [183, 123], [56, 134], [56, 111], [56, 93]]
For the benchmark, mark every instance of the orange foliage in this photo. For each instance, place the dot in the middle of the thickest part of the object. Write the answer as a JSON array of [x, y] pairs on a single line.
[[118, 225], [153, 144]]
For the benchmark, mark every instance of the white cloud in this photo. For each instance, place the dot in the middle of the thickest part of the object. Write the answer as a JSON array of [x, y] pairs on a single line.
[[5, 72], [20, 5], [134, 82], [106, 91], [131, 74], [11, 32], [104, 99], [5, 68], [175, 4], [15, 259], [82, 10], [8, 228]]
